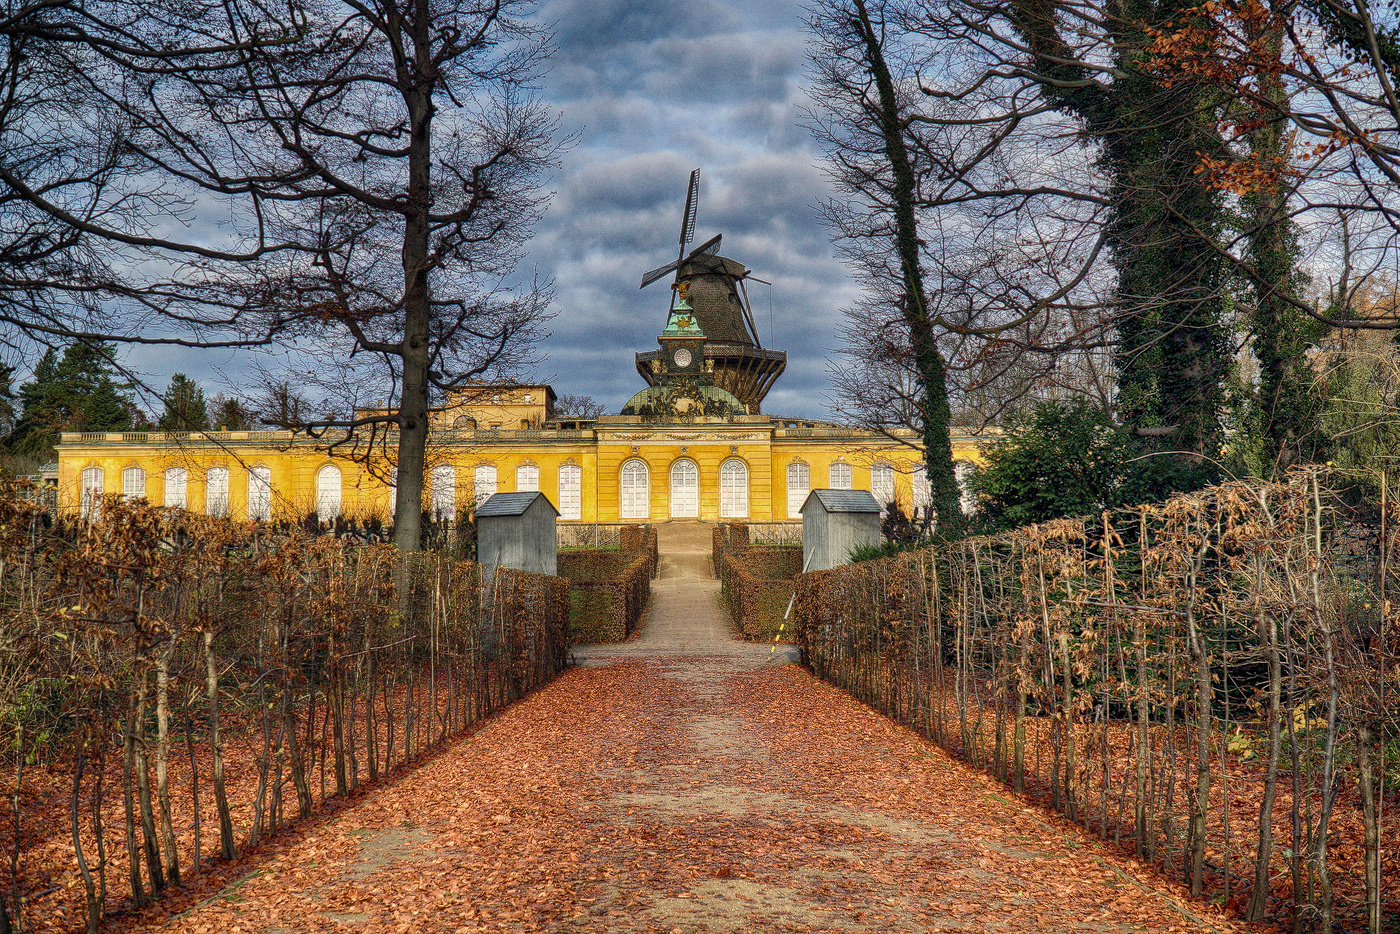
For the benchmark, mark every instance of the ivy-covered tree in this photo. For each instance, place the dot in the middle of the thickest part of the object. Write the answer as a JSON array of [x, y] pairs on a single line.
[[1155, 137], [76, 392], [7, 400], [185, 408]]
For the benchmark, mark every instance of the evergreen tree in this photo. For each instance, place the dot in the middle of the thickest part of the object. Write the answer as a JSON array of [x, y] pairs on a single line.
[[229, 413], [185, 408], [75, 392]]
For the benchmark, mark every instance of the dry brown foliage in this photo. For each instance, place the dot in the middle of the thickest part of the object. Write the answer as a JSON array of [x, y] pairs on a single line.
[[1212, 680], [176, 687]]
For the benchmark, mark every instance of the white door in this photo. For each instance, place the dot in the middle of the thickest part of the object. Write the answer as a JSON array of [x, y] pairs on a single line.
[[799, 484], [882, 485], [260, 493], [636, 492], [570, 491], [685, 490], [733, 490], [328, 494]]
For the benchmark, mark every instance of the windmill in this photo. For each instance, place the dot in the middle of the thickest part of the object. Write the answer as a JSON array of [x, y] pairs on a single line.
[[715, 291]]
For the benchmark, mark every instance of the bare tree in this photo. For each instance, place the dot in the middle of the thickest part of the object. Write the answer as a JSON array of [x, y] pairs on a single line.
[[408, 152], [379, 164]]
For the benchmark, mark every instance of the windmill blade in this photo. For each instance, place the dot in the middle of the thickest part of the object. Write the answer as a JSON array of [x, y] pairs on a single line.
[[748, 313], [657, 273], [692, 207], [709, 247]]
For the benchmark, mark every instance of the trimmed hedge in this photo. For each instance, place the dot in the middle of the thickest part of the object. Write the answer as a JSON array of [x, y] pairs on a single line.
[[757, 583], [608, 590]]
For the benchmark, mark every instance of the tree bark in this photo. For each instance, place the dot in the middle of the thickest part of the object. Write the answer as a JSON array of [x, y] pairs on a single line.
[[227, 845]]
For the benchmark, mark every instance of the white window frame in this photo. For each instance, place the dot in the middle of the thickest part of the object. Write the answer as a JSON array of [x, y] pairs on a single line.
[[133, 483], [90, 493], [570, 491], [483, 483], [685, 469], [963, 472], [923, 490], [260, 493], [634, 483], [444, 493], [882, 485], [328, 489], [799, 485], [216, 491], [527, 478], [733, 489], [176, 487], [839, 476]]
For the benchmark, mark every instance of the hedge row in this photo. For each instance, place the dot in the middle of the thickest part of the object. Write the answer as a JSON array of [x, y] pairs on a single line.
[[175, 687], [757, 583]]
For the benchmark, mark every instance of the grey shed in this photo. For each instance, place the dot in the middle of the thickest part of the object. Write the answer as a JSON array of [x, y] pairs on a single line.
[[833, 523], [516, 530]]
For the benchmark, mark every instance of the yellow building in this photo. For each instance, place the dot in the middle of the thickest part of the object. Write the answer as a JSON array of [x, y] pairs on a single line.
[[693, 444]]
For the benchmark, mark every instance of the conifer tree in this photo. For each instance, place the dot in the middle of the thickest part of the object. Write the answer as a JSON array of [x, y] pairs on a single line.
[[185, 408], [76, 392]]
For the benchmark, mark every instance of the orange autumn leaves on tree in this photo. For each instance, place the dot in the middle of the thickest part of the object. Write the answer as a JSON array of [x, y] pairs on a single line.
[[1238, 48]]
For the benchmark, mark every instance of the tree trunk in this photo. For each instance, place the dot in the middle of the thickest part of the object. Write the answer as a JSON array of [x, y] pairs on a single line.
[[417, 296], [167, 826], [1259, 897], [94, 908], [933, 406], [138, 890], [227, 846], [143, 790], [1366, 780]]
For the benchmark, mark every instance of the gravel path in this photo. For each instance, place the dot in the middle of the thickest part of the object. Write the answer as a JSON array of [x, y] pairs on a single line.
[[688, 782]]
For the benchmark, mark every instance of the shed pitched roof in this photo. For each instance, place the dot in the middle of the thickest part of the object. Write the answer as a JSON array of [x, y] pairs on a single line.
[[511, 504], [844, 501]]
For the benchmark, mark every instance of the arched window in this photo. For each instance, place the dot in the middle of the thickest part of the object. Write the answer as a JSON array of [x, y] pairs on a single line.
[[527, 478], [464, 421], [636, 491], [175, 488], [685, 490], [882, 485], [444, 492], [839, 477], [216, 491], [733, 490], [328, 493], [133, 483], [799, 484], [571, 492], [260, 493], [484, 483], [91, 499]]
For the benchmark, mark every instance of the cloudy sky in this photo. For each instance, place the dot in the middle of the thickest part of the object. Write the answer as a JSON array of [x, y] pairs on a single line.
[[655, 89], [652, 89]]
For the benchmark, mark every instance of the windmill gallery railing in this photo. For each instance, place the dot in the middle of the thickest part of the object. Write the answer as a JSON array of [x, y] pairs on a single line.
[[1215, 681], [174, 687]]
